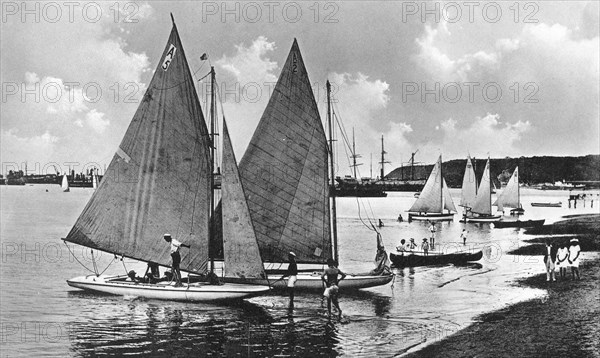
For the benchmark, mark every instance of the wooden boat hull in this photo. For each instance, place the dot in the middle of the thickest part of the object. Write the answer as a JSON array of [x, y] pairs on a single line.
[[518, 223], [481, 219], [430, 217], [195, 292], [312, 281], [411, 259], [548, 205]]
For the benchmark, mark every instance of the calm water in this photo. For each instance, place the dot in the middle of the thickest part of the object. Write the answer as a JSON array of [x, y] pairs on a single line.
[[42, 316]]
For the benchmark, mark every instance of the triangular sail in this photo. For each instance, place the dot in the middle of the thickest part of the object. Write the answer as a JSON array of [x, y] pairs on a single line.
[[159, 179], [430, 199], [65, 183], [448, 202], [284, 171], [483, 200], [241, 254], [469, 186], [510, 195]]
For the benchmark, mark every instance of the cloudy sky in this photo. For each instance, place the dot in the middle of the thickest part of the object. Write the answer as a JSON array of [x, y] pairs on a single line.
[[498, 79]]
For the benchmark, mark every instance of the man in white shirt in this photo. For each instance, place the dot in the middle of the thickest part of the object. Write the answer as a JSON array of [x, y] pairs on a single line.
[[175, 256]]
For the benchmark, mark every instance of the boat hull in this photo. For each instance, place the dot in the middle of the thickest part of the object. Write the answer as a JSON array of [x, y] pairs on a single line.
[[312, 281], [518, 223], [548, 205], [430, 217], [412, 260], [481, 219], [195, 292]]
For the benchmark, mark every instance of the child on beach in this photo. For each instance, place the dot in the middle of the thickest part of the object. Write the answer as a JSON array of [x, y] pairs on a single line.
[[561, 260], [574, 257], [549, 260]]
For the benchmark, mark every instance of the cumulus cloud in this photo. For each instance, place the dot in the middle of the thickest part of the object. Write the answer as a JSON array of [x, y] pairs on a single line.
[[39, 148]]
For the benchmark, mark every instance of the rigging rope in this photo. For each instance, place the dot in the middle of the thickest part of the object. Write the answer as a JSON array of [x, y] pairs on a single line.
[[76, 259]]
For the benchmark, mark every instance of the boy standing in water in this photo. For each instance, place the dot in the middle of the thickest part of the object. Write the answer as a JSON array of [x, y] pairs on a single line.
[[292, 274], [432, 239], [425, 247], [331, 280]]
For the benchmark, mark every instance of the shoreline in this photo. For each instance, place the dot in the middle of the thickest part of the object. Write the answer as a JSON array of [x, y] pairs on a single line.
[[564, 323]]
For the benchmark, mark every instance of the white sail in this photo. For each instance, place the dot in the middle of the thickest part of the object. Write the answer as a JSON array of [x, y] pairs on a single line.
[[448, 203], [469, 186], [430, 199], [65, 183], [95, 179], [510, 195], [483, 200]]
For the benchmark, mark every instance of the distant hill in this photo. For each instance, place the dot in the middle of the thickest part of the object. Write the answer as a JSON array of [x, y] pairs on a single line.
[[532, 170]]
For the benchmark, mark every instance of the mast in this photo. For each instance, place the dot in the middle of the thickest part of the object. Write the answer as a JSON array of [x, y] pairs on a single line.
[[354, 156], [441, 187], [333, 208], [211, 229], [383, 161]]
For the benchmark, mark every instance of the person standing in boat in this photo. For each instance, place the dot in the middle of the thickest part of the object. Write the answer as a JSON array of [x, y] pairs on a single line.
[[432, 239], [292, 275], [176, 257], [412, 245], [331, 278], [574, 257], [549, 261], [402, 247]]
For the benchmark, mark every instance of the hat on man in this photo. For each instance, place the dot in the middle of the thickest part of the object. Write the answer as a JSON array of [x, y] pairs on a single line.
[[575, 240], [292, 254], [167, 235]]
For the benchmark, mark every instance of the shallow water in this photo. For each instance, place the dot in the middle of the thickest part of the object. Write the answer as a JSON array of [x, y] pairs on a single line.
[[42, 316]]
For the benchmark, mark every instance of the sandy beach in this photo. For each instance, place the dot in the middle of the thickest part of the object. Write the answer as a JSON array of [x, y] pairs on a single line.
[[565, 323]]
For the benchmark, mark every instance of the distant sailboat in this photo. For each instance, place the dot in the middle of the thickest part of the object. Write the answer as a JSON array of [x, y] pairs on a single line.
[[95, 179], [434, 199], [65, 184], [159, 181], [510, 197], [482, 207], [285, 178]]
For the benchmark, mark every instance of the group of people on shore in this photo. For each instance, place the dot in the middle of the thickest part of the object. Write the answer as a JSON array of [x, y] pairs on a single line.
[[560, 257]]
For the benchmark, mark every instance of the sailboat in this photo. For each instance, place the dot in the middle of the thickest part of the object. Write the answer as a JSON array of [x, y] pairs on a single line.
[[65, 184], [482, 207], [434, 199], [159, 181], [284, 173], [95, 178], [469, 186], [510, 197]]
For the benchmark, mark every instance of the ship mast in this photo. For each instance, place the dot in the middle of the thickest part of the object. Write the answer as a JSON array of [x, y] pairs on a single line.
[[354, 155], [211, 228], [383, 161], [332, 185]]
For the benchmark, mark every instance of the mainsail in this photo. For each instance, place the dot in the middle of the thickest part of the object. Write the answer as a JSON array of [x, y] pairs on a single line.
[[483, 200], [159, 179], [435, 196], [241, 254], [469, 186], [284, 171], [510, 195]]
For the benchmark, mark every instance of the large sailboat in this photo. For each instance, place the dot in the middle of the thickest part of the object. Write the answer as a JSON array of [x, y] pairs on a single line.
[[159, 181], [434, 203], [285, 178], [482, 207], [510, 197], [468, 191]]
